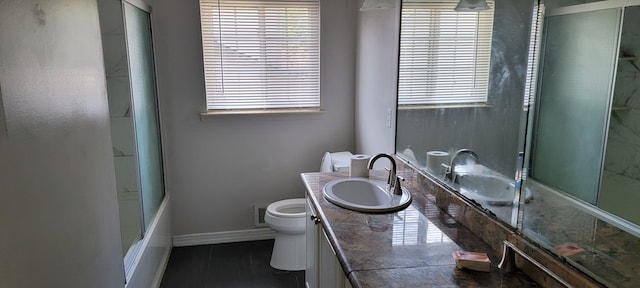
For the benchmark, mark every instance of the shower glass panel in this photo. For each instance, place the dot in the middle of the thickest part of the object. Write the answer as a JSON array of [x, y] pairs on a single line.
[[579, 59], [145, 109], [620, 188]]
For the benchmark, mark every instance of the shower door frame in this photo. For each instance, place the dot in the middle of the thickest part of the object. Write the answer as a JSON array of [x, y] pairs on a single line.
[[134, 251]]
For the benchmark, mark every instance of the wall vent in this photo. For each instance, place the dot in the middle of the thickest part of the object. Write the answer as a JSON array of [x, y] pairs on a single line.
[[259, 211]]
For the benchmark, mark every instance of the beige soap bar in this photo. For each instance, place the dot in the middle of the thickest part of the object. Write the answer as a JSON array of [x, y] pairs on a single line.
[[472, 260]]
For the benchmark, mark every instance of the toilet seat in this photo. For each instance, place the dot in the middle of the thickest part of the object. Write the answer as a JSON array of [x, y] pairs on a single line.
[[288, 208]]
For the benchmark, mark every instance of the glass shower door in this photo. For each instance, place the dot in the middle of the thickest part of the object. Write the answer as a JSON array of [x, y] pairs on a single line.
[[579, 58], [145, 109]]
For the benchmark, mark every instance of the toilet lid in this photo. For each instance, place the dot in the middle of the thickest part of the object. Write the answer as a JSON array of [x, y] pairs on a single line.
[[325, 165]]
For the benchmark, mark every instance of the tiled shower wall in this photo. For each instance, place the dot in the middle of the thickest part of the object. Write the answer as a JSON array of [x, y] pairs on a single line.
[[122, 133], [620, 189]]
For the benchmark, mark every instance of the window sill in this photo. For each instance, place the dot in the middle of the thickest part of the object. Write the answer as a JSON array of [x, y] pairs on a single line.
[[262, 112], [444, 106]]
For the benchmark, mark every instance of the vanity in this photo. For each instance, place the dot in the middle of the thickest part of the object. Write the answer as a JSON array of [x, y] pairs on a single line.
[[409, 248]]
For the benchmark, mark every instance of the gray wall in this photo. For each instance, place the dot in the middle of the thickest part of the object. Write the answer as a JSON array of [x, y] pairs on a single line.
[[218, 167], [493, 132], [58, 214]]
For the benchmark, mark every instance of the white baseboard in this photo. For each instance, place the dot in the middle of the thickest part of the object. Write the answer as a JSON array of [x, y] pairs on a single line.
[[223, 237]]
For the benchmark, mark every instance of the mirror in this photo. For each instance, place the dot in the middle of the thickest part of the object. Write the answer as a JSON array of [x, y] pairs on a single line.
[[584, 116], [576, 141], [462, 100], [582, 152]]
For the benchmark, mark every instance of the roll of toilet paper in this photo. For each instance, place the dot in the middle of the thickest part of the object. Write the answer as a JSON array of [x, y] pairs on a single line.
[[435, 159], [359, 166]]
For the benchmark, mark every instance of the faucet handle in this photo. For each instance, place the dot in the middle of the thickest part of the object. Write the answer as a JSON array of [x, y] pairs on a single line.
[[397, 188], [390, 177], [447, 170]]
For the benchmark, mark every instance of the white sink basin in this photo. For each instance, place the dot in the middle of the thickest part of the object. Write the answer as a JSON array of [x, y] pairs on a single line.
[[365, 195], [492, 189]]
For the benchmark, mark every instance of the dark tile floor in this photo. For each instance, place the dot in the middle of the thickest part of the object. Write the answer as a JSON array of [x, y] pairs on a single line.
[[241, 264]]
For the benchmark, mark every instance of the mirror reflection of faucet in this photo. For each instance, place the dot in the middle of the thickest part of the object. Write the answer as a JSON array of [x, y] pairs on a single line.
[[481, 183], [456, 159]]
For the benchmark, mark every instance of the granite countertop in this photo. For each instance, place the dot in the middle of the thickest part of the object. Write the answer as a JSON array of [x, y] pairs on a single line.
[[608, 252], [409, 248]]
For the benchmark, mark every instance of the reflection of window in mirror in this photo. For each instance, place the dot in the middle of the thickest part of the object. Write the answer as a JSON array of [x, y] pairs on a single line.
[[444, 54]]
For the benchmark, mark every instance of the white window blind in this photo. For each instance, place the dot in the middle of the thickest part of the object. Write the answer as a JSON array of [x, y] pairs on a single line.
[[444, 55], [261, 54]]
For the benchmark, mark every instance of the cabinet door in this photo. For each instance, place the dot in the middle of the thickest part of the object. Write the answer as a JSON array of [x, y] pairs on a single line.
[[311, 272], [331, 274], [323, 269]]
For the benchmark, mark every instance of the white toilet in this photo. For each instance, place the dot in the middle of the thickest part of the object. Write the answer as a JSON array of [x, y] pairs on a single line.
[[287, 218]]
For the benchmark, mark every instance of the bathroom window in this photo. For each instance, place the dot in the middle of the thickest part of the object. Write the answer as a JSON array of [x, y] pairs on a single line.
[[261, 54], [444, 54]]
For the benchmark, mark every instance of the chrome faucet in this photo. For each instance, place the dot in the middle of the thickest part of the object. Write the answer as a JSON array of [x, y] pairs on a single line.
[[451, 168], [393, 180]]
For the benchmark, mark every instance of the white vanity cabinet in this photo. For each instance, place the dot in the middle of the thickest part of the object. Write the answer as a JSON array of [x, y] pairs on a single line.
[[323, 269], [313, 229]]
